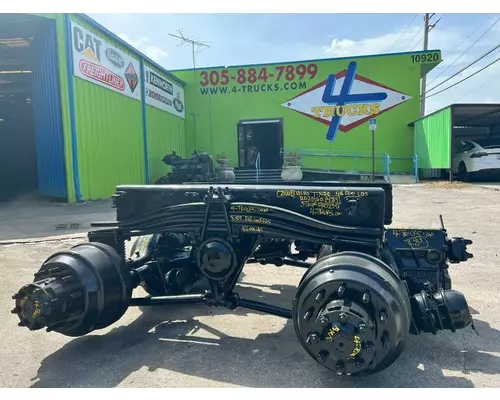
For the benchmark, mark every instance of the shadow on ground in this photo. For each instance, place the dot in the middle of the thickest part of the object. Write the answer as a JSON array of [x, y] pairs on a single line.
[[155, 341]]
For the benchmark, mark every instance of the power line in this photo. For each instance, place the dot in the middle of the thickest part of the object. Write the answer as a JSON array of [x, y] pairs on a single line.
[[463, 69], [416, 34], [399, 38], [468, 48], [470, 33], [478, 88], [467, 77]]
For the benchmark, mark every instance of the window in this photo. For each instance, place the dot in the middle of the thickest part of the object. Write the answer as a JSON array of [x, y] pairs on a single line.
[[466, 145]]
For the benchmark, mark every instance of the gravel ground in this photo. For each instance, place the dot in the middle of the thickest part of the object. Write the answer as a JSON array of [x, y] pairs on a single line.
[[201, 347]]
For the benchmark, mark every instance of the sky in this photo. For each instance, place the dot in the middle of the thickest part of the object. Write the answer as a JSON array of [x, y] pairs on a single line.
[[236, 39]]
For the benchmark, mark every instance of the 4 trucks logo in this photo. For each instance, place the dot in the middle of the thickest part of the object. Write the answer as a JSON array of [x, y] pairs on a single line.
[[99, 62], [345, 100]]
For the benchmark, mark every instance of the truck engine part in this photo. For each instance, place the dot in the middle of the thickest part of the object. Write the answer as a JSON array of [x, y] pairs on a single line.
[[369, 287], [198, 168]]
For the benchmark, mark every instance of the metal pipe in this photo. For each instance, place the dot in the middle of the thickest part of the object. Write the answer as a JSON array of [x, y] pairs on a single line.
[[144, 121], [72, 117], [166, 300], [265, 308]]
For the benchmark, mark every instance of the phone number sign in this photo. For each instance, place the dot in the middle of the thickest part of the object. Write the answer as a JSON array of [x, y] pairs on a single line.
[[244, 76]]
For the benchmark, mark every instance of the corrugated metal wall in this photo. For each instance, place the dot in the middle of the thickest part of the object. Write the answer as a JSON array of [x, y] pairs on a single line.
[[433, 140], [47, 115], [166, 133], [110, 136], [65, 109]]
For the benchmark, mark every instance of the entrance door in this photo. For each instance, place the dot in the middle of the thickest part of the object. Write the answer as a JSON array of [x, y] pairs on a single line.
[[264, 137]]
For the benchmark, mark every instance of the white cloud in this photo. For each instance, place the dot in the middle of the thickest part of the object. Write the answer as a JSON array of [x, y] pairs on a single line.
[[142, 44], [388, 43], [483, 87]]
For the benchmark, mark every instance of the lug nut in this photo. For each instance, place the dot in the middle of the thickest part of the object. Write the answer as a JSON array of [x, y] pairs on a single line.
[[362, 328], [320, 296], [322, 356], [312, 338], [360, 364], [341, 290], [324, 321], [369, 348], [383, 317], [366, 298], [340, 368], [343, 318], [385, 341]]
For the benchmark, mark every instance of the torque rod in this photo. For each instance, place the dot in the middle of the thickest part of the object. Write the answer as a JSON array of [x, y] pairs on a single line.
[[266, 308], [200, 298], [165, 300]]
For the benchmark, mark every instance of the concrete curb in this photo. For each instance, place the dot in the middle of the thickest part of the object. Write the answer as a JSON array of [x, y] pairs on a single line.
[[43, 239]]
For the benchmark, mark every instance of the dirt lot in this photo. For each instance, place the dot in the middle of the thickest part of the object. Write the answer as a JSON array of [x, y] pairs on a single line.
[[201, 347]]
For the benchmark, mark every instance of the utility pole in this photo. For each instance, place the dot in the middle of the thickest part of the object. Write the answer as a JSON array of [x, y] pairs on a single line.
[[427, 28]]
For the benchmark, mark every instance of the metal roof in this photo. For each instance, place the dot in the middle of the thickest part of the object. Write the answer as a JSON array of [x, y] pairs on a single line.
[[478, 114], [471, 114]]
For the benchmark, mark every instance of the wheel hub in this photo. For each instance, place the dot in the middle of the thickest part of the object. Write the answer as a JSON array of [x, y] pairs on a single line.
[[216, 259], [342, 337]]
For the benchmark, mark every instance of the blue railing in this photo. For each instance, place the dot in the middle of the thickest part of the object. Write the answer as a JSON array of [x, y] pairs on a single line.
[[415, 167], [257, 166], [355, 157], [414, 161]]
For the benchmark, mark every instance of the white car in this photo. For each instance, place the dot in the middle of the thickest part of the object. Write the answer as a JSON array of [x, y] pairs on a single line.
[[471, 158]]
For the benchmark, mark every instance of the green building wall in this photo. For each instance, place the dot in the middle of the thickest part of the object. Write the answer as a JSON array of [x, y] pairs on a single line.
[[109, 128], [166, 133], [433, 140], [213, 111], [110, 134]]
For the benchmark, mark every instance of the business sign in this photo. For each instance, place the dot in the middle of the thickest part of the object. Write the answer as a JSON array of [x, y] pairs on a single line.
[[164, 94], [101, 63], [345, 100]]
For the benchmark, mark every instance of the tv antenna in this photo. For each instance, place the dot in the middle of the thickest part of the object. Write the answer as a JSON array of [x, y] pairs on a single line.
[[196, 45]]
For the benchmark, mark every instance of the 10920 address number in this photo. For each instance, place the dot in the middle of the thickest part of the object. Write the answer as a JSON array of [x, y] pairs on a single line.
[[423, 58]]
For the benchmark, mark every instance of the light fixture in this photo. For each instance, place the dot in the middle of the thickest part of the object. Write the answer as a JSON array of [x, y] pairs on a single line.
[[14, 42], [14, 72]]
